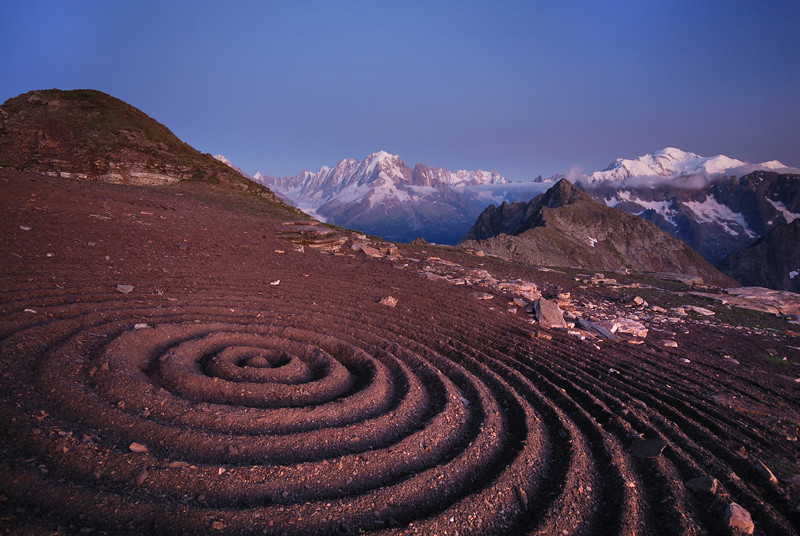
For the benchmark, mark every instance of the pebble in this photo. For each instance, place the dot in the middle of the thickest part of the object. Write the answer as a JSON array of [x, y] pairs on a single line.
[[141, 326], [137, 447], [764, 472], [703, 484], [670, 344], [275, 283], [25, 227], [389, 301], [125, 289]]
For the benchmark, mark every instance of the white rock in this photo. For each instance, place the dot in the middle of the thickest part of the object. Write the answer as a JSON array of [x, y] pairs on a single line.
[[389, 301]]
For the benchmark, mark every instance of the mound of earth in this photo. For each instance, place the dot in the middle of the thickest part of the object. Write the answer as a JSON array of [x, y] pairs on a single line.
[[566, 227], [184, 360], [91, 135]]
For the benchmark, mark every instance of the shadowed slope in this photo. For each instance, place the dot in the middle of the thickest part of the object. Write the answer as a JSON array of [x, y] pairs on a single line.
[[566, 227]]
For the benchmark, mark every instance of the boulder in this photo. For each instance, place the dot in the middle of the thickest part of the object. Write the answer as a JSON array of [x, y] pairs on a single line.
[[548, 314], [738, 519]]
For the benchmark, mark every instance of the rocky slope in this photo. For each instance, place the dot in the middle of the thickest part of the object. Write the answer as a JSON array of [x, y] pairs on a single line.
[[773, 261], [566, 227], [90, 135], [172, 365], [383, 196]]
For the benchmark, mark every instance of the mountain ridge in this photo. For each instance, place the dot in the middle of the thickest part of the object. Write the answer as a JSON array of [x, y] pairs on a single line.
[[566, 227], [382, 195]]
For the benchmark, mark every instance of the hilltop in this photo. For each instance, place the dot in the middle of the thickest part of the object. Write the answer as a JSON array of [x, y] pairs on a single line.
[[88, 134]]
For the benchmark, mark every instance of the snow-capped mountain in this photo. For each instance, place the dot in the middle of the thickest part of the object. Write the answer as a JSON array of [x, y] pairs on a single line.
[[671, 164], [717, 204], [381, 195]]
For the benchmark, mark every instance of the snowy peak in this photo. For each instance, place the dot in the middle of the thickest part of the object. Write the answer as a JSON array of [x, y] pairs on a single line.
[[380, 177], [670, 163]]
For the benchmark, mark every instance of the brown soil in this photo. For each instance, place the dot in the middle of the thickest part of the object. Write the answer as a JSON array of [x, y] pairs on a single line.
[[243, 386]]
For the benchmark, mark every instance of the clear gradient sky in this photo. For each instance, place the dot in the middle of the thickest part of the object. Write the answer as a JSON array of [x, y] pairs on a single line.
[[523, 87]]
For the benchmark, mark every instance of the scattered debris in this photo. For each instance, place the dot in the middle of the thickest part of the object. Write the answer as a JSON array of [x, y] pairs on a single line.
[[275, 283]]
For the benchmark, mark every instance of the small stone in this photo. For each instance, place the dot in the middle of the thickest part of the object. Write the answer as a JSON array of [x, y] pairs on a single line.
[[141, 477], [685, 361], [30, 311], [25, 227], [703, 484], [388, 301], [737, 518], [125, 289], [647, 448], [701, 310], [217, 525], [275, 283], [764, 472], [670, 344], [141, 325], [137, 447]]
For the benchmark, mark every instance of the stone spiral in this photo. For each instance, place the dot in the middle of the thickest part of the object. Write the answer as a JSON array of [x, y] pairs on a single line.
[[241, 411]]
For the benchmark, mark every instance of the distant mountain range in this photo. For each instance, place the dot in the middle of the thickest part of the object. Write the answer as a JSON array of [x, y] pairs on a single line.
[[718, 205], [738, 215], [382, 196]]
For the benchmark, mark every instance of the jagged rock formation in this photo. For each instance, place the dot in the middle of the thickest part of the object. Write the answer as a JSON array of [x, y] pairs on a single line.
[[383, 196], [773, 261], [90, 135], [566, 227]]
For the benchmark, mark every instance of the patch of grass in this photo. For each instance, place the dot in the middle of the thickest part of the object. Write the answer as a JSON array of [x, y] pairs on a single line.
[[777, 360]]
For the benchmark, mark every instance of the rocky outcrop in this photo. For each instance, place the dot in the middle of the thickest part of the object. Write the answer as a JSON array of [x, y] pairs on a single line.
[[566, 227]]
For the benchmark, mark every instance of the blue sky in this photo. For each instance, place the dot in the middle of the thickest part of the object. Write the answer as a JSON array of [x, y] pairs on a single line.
[[526, 87]]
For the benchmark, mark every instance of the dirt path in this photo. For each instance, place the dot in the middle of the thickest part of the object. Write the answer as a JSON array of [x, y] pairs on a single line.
[[242, 386]]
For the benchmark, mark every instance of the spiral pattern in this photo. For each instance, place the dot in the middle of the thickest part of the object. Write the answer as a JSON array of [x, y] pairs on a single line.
[[243, 410]]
